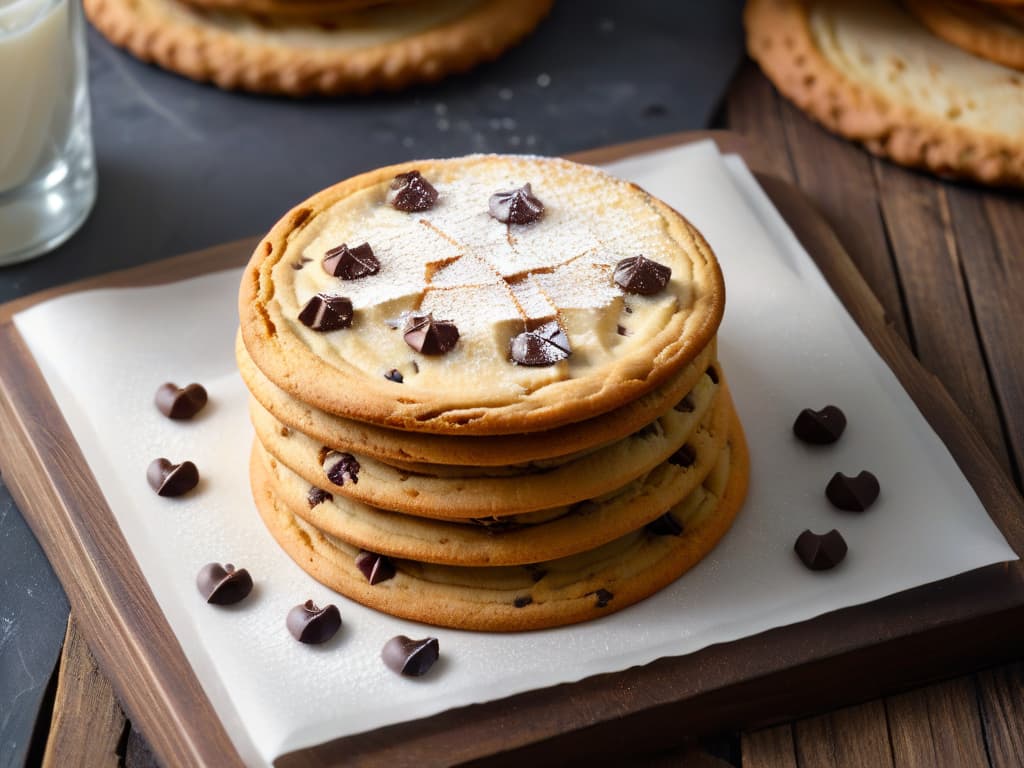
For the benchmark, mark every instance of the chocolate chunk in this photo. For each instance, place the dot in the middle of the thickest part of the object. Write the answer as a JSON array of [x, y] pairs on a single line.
[[317, 496], [376, 568], [536, 572], [394, 375], [685, 405], [429, 336], [652, 429], [638, 274], [344, 468], [603, 598], [411, 192], [516, 206], [496, 525], [684, 457], [622, 330], [522, 601], [853, 494], [820, 427], [169, 479], [351, 263], [223, 584], [819, 552], [545, 345], [712, 374], [327, 313], [180, 402], [310, 624], [666, 525], [410, 657]]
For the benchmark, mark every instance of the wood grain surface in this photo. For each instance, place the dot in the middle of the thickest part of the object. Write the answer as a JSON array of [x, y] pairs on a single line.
[[946, 263]]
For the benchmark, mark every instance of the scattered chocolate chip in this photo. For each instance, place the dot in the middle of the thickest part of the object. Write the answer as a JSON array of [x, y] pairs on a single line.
[[327, 313], [344, 468], [603, 597], [176, 402], [666, 525], [522, 601], [376, 568], [516, 206], [628, 309], [415, 367], [429, 336], [685, 405], [820, 427], [351, 263], [169, 479], [712, 374], [853, 494], [622, 330], [496, 525], [684, 457], [545, 345], [648, 430], [819, 552], [536, 572], [410, 657], [311, 624], [317, 496], [394, 375], [411, 192], [638, 274], [223, 584]]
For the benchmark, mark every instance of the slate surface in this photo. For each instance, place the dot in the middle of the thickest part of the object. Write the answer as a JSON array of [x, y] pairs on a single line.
[[183, 166]]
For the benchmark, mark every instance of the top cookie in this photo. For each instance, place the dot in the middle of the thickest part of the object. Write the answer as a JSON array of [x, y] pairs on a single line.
[[448, 296]]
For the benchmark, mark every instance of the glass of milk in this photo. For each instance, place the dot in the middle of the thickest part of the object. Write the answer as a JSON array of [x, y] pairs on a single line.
[[47, 174]]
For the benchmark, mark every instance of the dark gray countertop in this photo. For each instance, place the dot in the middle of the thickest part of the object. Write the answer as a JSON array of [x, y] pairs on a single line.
[[183, 166]]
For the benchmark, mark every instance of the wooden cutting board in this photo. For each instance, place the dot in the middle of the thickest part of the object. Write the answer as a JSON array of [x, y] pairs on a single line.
[[933, 631]]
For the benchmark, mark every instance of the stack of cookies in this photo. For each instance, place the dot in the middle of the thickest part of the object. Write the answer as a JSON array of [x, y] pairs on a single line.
[[486, 393]]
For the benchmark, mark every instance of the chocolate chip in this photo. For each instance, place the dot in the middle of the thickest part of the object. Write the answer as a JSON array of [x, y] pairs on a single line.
[[536, 572], [411, 192], [496, 525], [429, 336], [180, 402], [522, 601], [310, 624], [652, 429], [516, 206], [317, 496], [638, 274], [344, 467], [545, 345], [351, 263], [685, 405], [169, 479], [819, 552], [223, 584], [853, 494], [297, 265], [820, 427], [622, 330], [603, 597], [666, 525], [712, 374], [410, 657], [684, 457], [376, 568], [327, 313], [394, 375]]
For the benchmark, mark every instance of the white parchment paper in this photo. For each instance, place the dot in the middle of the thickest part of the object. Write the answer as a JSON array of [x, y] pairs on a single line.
[[786, 343]]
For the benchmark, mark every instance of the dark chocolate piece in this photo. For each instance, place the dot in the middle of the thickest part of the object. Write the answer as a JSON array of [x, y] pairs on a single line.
[[327, 313], [684, 457], [344, 467], [712, 374], [666, 525], [169, 479], [638, 274], [176, 402], [522, 601], [429, 336], [351, 263], [516, 206], [311, 624], [536, 572], [410, 657], [223, 584], [376, 568], [853, 494], [650, 429], [603, 598], [820, 427], [685, 405], [819, 552], [411, 192], [622, 330], [394, 375], [545, 345], [317, 496]]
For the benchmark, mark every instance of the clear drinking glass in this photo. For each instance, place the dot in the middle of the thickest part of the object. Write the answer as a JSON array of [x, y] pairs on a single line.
[[47, 173]]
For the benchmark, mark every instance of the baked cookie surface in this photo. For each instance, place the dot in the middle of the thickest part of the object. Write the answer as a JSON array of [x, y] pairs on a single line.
[[494, 281]]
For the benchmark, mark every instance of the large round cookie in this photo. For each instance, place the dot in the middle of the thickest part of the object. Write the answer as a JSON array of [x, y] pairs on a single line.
[[554, 593], [994, 33], [294, 8], [393, 446], [494, 281], [866, 69], [445, 497], [385, 47]]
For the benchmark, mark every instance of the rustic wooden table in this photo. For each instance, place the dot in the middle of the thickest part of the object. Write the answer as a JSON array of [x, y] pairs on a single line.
[[947, 263]]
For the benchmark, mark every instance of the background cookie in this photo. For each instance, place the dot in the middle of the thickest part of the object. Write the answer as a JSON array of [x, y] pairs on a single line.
[[992, 32]]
